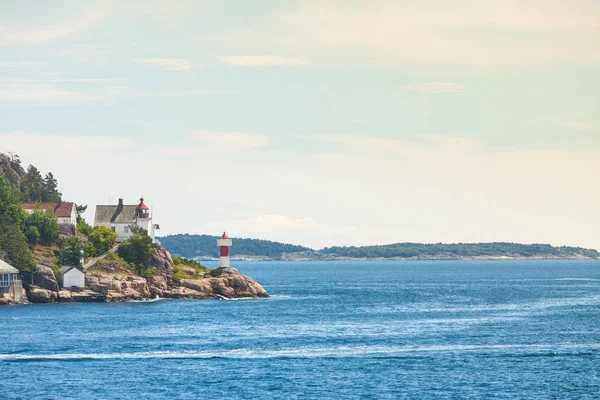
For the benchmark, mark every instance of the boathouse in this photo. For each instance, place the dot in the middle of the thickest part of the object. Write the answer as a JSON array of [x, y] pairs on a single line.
[[71, 277]]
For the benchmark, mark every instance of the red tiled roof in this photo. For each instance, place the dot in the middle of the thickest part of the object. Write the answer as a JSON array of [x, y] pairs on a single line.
[[142, 206], [224, 236], [62, 210]]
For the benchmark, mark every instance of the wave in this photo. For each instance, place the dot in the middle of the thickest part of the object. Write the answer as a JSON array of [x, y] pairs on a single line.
[[148, 300], [577, 279], [522, 350]]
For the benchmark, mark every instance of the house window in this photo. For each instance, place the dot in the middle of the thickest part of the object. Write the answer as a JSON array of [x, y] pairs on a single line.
[[113, 228], [126, 229]]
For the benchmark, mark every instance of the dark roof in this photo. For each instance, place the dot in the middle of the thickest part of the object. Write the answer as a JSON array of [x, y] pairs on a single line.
[[115, 214], [224, 236], [63, 209], [7, 268]]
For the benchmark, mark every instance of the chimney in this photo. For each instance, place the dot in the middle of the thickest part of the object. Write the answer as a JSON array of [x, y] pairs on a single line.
[[120, 206]]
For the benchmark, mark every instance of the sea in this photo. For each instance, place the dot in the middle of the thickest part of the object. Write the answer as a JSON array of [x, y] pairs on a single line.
[[331, 330]]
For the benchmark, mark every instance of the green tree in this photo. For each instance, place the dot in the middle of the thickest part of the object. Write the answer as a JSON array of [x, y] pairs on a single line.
[[32, 185], [80, 209], [138, 249], [102, 238], [50, 189], [14, 243], [10, 208], [12, 240], [71, 252], [84, 227], [33, 235], [45, 223]]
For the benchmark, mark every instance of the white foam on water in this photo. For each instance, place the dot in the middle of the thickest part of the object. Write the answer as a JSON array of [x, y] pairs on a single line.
[[577, 279], [148, 300], [307, 352], [279, 296]]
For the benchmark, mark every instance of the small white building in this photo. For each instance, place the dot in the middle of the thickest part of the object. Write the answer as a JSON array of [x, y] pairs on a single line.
[[65, 212], [9, 281], [120, 217], [71, 277]]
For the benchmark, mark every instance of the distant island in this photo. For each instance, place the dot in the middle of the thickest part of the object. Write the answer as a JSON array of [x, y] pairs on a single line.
[[201, 247]]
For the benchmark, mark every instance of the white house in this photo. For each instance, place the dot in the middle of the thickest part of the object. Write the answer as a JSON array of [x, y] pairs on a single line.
[[65, 212], [120, 217], [71, 277], [9, 281]]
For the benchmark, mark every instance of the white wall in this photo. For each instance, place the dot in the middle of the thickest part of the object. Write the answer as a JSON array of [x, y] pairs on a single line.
[[123, 231], [74, 277]]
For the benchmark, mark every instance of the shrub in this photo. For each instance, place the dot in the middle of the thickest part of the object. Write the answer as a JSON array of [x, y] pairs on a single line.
[[84, 228], [102, 238], [46, 225], [71, 252], [138, 249]]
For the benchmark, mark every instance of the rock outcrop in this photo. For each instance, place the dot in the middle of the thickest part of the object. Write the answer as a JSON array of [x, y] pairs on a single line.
[[67, 229], [220, 283], [45, 279], [117, 287], [225, 282], [40, 295]]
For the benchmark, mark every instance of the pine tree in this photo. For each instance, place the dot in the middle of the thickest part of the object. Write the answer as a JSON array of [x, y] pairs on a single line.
[[32, 185], [50, 192]]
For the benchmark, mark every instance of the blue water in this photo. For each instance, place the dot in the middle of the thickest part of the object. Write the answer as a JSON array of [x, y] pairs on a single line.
[[422, 330]]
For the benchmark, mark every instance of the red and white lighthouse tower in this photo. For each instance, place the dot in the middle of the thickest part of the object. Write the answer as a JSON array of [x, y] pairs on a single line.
[[224, 243]]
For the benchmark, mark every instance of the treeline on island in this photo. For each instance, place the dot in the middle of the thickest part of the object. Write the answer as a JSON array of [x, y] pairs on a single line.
[[199, 246], [186, 245], [464, 250]]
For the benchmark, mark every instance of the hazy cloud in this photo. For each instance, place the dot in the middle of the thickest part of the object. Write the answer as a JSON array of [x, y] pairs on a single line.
[[261, 61], [435, 87], [577, 125], [170, 64]]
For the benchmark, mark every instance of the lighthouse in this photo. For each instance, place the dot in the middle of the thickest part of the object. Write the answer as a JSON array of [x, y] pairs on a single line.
[[224, 243]]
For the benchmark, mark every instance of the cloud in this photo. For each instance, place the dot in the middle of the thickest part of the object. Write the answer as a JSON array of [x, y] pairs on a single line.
[[279, 228], [228, 140], [59, 89], [577, 125], [261, 61], [143, 124], [12, 34], [170, 64], [86, 53], [42, 93], [483, 34], [435, 87]]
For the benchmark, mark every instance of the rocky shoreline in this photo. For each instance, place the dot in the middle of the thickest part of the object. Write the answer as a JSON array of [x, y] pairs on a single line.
[[109, 280], [221, 283]]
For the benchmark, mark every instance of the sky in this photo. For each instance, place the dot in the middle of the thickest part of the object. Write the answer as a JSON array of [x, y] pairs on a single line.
[[318, 123]]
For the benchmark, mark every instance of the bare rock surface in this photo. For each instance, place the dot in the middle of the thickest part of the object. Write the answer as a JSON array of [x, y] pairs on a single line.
[[45, 279], [226, 282], [41, 295]]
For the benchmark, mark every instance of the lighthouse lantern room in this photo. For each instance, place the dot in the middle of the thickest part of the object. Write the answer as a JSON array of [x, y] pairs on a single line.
[[224, 243]]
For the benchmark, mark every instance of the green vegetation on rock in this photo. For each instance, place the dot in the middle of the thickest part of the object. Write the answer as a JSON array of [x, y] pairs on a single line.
[[138, 249]]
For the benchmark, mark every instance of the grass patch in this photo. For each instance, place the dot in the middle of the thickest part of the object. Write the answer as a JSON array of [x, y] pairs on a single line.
[[185, 268]]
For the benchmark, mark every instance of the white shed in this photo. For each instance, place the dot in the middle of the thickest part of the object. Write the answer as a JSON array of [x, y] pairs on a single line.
[[71, 277]]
